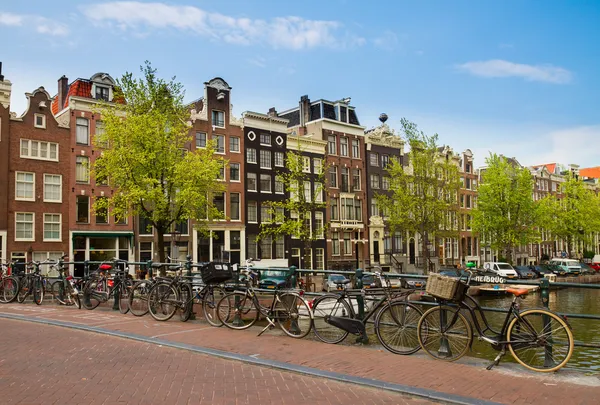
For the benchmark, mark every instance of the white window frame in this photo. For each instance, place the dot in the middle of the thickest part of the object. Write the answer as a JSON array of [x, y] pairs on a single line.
[[216, 137], [267, 136], [255, 205], [87, 169], [255, 182], [357, 155], [320, 231], [239, 143], [277, 161], [53, 223], [26, 145], [239, 214], [239, 178], [32, 239], [305, 164], [35, 118], [278, 180], [260, 177], [77, 126], [212, 118], [317, 165], [46, 199], [198, 137], [248, 154], [265, 153], [344, 146], [32, 183]]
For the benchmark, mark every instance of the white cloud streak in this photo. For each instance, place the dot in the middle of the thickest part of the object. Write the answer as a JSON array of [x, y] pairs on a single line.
[[388, 41], [282, 32], [42, 25], [502, 68]]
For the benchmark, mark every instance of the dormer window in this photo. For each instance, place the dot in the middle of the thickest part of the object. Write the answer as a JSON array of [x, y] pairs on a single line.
[[218, 119], [102, 93], [39, 121]]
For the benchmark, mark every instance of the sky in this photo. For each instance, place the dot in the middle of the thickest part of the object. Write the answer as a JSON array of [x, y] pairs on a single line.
[[519, 78]]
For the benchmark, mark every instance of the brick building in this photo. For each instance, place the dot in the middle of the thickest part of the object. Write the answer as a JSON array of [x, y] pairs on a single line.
[[5, 90]]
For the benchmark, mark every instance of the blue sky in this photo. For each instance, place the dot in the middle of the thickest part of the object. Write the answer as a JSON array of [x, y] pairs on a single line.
[[514, 77]]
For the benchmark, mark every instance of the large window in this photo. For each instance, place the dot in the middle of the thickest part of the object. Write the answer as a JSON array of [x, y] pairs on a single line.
[[102, 213], [347, 244], [279, 159], [317, 165], [319, 225], [52, 227], [375, 181], [25, 186], [39, 150], [251, 155], [83, 209], [219, 202], [24, 225], [335, 243], [374, 159], [279, 247], [334, 212], [345, 179], [102, 93], [265, 139], [355, 179], [200, 139], [385, 182], [220, 146], [234, 171], [265, 159], [52, 188], [252, 247], [331, 145], [234, 206], [385, 161], [218, 119], [266, 247], [333, 176], [82, 169], [351, 209], [234, 144], [343, 146], [221, 175], [265, 183], [279, 188], [99, 133], [266, 215], [356, 148], [305, 164], [251, 181], [320, 258], [318, 191], [252, 214], [83, 131]]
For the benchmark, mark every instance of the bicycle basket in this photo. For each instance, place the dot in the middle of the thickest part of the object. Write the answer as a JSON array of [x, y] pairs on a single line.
[[216, 272], [446, 288]]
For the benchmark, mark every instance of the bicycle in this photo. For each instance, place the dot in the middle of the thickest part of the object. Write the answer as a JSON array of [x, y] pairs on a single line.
[[288, 309], [32, 283], [97, 289], [65, 290], [8, 284], [538, 339], [395, 318]]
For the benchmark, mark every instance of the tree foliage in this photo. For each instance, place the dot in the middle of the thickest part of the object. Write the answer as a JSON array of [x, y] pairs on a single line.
[[506, 215], [293, 215], [423, 195], [147, 160]]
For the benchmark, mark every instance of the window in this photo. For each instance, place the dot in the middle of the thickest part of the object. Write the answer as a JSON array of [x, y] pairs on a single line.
[[234, 206], [374, 159], [385, 161], [219, 202], [468, 201], [355, 179], [320, 258], [99, 134], [221, 175], [335, 243], [266, 247], [279, 189], [102, 93], [220, 146], [462, 201], [319, 225], [343, 146], [279, 215], [251, 155], [145, 251], [317, 165], [83, 209], [252, 214], [252, 247], [347, 244], [52, 227], [25, 186], [83, 131], [307, 196], [200, 139], [82, 170], [218, 119], [39, 150], [358, 210], [265, 139], [102, 213], [265, 183], [279, 247], [279, 159], [374, 181], [331, 146], [318, 192], [374, 208], [24, 224], [251, 181], [345, 179], [52, 188], [356, 149], [385, 182], [333, 176], [468, 184], [39, 121], [334, 212], [265, 159], [234, 144], [305, 164], [234, 171], [266, 215]]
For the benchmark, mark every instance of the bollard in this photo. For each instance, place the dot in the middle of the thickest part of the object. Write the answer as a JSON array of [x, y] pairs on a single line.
[[291, 306], [545, 297], [117, 289], [360, 301], [292, 274], [86, 277], [545, 291], [444, 350], [149, 269], [61, 286], [188, 267]]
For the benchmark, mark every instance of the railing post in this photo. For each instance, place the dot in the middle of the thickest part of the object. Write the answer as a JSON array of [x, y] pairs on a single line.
[[188, 267], [86, 277], [292, 274], [545, 296], [117, 292], [360, 301], [291, 306], [149, 269], [61, 288]]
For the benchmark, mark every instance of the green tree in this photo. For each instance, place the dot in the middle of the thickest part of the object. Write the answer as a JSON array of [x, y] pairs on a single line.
[[506, 215], [293, 215], [146, 158], [573, 215], [423, 195]]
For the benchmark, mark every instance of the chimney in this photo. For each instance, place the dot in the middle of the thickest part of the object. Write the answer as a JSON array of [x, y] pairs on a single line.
[[1, 75], [272, 112], [304, 110], [63, 89]]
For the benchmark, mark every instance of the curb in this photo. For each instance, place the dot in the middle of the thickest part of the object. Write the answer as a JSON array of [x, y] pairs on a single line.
[[279, 365]]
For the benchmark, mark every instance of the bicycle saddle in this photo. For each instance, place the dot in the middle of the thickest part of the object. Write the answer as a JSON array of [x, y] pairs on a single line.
[[517, 292]]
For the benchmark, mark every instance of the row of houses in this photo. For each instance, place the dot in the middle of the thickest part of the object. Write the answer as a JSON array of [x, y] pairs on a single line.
[[46, 191]]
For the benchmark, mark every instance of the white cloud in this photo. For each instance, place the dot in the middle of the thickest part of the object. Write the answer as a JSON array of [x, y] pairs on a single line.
[[42, 25], [388, 41], [281, 32], [258, 61], [503, 68]]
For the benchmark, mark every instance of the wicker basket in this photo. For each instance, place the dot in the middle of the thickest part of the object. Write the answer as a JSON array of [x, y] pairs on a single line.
[[446, 288]]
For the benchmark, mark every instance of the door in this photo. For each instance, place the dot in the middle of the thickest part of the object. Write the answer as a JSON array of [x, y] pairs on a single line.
[[411, 251], [376, 251]]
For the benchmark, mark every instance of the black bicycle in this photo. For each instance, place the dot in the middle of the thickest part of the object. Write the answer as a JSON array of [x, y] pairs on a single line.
[[32, 283], [65, 290], [395, 323], [538, 339], [99, 288], [9, 285]]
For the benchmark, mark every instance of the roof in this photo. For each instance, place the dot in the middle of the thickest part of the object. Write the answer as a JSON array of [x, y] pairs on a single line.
[[80, 88], [551, 167], [591, 172]]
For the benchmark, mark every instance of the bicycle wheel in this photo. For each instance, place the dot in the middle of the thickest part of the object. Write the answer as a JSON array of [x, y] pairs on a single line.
[[124, 292], [38, 291], [237, 311], [24, 290], [57, 293], [444, 333], [90, 293], [540, 340], [185, 294], [162, 301], [71, 297], [9, 289], [210, 299], [396, 327], [138, 299], [293, 315], [325, 307]]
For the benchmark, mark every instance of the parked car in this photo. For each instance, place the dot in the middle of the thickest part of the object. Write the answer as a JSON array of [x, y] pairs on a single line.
[[541, 269], [501, 269], [596, 263], [416, 283], [586, 269], [450, 272], [559, 271], [272, 279], [525, 272], [334, 282], [368, 281], [571, 266]]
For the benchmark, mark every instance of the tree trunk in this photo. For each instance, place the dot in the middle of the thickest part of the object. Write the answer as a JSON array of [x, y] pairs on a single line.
[[424, 240], [159, 251]]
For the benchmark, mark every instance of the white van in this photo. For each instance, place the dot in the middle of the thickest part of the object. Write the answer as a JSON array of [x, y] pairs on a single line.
[[501, 269], [571, 266]]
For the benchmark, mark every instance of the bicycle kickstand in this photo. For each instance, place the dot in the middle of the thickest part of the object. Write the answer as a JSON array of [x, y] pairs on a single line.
[[497, 359], [271, 325]]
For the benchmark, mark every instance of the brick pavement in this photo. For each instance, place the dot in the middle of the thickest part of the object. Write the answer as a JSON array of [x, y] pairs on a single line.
[[41, 364], [507, 384]]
